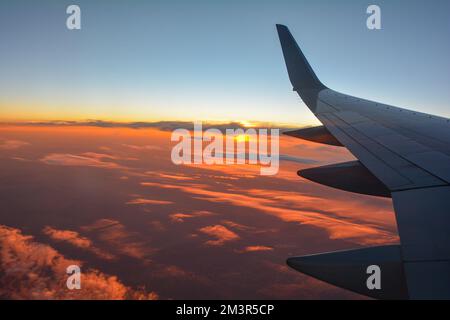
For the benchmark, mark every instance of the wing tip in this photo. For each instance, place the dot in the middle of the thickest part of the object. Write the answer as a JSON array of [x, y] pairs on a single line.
[[300, 72]]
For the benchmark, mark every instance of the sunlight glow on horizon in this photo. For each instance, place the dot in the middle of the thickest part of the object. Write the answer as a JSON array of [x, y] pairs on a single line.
[[11, 114]]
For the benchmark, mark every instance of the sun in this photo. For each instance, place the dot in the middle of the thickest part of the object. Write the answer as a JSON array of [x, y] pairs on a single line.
[[246, 124], [242, 138]]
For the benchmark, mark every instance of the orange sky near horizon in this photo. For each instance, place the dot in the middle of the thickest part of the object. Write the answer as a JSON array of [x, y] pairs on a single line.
[[13, 113]]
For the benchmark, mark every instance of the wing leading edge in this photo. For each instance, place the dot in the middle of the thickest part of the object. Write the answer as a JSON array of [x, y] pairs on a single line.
[[401, 153]]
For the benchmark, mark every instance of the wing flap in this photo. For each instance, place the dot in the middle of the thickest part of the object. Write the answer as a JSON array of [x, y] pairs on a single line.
[[349, 269], [318, 134], [349, 176]]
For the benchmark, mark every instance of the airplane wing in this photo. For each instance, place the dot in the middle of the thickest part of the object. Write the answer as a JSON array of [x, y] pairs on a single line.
[[401, 154]]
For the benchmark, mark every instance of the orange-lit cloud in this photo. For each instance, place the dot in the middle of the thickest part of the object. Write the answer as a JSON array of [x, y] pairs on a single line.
[[176, 272], [148, 201], [221, 233], [180, 217], [338, 225], [142, 147], [119, 238], [87, 159], [75, 239], [72, 237], [236, 225], [12, 144], [255, 249], [171, 176], [32, 270]]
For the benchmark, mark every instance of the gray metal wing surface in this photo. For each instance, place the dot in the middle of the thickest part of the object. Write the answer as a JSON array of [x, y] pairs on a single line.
[[401, 153]]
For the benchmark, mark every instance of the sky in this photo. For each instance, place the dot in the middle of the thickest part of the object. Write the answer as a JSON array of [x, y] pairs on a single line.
[[215, 60]]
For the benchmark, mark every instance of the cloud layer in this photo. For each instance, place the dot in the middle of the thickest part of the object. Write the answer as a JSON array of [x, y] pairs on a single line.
[[110, 199]]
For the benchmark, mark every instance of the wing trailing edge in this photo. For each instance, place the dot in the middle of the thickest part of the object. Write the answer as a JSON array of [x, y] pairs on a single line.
[[318, 134], [349, 176]]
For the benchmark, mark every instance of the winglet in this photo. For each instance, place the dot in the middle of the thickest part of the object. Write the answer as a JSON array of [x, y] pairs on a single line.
[[300, 72]]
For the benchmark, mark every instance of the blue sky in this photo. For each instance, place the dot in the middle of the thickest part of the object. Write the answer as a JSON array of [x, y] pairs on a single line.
[[215, 60]]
